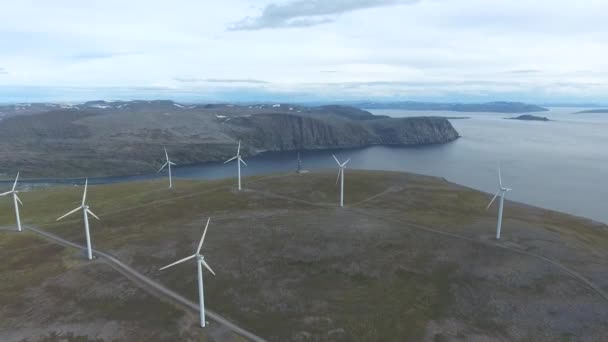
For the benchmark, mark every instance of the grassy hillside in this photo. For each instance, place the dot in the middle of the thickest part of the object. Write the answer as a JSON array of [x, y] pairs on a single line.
[[410, 258]]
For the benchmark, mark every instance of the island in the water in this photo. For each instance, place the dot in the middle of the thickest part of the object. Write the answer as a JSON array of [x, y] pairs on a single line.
[[527, 117], [127, 137], [490, 107], [593, 111]]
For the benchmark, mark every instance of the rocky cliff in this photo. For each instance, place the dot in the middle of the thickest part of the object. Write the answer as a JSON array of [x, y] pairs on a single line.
[[280, 132], [115, 138]]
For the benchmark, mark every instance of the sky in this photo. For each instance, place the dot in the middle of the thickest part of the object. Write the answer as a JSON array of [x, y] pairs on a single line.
[[544, 51]]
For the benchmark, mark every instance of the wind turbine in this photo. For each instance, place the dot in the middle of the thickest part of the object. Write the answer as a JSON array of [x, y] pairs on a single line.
[[85, 211], [167, 164], [239, 160], [341, 178], [200, 262], [16, 201], [501, 191]]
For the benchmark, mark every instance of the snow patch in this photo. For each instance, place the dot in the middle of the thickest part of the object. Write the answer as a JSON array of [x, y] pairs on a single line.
[[178, 105], [276, 105], [221, 116]]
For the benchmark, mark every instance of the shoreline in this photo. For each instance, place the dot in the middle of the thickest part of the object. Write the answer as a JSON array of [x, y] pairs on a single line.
[[155, 177]]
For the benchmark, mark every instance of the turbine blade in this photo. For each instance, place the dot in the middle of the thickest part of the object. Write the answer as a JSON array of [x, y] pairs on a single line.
[[238, 149], [178, 262], [6, 193], [70, 213], [242, 161], [172, 163], [338, 178], [346, 162], [336, 159], [18, 199], [207, 266], [200, 244], [492, 201], [84, 195], [15, 184], [231, 159], [95, 216], [499, 177], [166, 154], [162, 167]]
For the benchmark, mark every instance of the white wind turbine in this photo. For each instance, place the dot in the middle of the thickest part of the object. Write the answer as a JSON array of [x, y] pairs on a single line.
[[501, 191], [16, 201], [200, 262], [239, 160], [167, 164], [341, 178], [85, 211]]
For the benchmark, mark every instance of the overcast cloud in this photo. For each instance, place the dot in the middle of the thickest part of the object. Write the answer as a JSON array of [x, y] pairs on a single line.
[[303, 13], [242, 49]]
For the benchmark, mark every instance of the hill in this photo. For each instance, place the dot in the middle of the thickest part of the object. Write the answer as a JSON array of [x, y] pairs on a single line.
[[126, 137], [492, 107], [410, 258]]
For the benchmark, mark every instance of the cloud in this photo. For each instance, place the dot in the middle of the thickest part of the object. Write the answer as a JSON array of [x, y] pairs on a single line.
[[525, 71], [3, 71], [305, 13], [219, 80], [98, 55]]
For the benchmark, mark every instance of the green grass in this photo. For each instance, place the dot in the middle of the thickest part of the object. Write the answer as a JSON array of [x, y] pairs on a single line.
[[300, 266]]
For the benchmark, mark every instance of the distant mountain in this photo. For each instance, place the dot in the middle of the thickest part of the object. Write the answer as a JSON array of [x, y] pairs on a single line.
[[492, 107], [529, 118], [593, 111], [101, 138]]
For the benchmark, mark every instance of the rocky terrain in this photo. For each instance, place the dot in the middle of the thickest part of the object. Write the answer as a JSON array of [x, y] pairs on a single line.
[[410, 258], [126, 137]]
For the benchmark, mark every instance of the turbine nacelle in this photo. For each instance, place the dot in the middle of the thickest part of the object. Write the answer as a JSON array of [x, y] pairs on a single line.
[[200, 263], [237, 156], [82, 206], [16, 201], [501, 190], [85, 208], [341, 167], [168, 163], [239, 161], [196, 255]]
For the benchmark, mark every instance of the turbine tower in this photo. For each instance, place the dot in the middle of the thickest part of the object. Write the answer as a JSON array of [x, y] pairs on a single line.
[[16, 202], [299, 170], [85, 211], [501, 191], [200, 262], [341, 178], [239, 160], [167, 164]]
